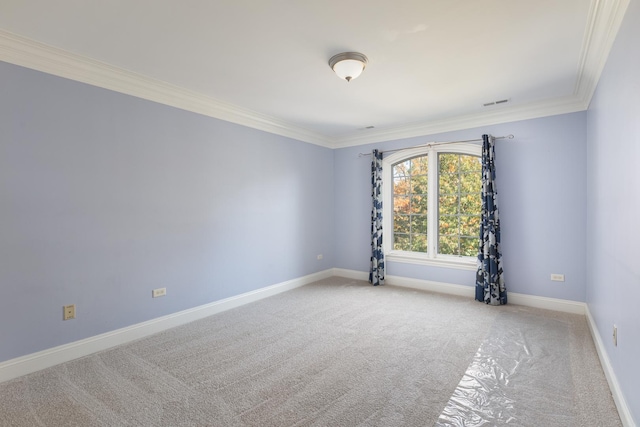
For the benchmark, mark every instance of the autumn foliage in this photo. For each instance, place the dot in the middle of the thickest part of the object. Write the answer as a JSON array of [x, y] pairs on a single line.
[[459, 204]]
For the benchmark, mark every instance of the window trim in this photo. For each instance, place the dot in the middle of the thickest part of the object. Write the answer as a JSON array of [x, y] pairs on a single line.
[[431, 257]]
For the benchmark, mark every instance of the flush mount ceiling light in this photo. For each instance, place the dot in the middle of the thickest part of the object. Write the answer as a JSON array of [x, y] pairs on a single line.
[[348, 65]]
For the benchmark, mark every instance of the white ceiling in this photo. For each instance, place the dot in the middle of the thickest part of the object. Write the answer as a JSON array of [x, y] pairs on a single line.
[[263, 63]]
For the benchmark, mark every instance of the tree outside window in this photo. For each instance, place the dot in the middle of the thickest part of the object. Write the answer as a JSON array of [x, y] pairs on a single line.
[[434, 203]]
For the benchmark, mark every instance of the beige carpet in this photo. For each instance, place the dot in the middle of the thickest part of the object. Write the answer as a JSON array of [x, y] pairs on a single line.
[[334, 353]]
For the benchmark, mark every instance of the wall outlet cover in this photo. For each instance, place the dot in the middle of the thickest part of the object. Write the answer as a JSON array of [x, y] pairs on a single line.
[[69, 312], [160, 292]]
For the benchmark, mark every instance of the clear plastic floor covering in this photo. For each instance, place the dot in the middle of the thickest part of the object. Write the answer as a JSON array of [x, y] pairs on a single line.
[[520, 376]]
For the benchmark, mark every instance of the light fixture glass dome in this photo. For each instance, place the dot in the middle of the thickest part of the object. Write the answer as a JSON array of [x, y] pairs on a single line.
[[348, 65]]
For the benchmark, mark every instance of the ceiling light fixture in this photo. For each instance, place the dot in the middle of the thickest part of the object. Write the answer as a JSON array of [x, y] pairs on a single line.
[[348, 65]]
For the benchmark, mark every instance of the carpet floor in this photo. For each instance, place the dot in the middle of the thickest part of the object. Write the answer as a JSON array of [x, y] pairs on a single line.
[[337, 352]]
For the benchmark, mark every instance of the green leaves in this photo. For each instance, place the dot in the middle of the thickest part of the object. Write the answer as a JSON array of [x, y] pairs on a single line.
[[459, 204], [449, 204], [471, 204]]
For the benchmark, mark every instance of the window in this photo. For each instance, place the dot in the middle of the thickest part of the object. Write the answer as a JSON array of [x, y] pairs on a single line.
[[432, 202]]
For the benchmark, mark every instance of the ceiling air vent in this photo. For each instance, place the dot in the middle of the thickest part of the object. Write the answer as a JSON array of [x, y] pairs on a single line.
[[489, 104]]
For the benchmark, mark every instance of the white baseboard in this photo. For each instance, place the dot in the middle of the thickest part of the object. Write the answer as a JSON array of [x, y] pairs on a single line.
[[406, 282], [555, 304], [430, 285], [351, 274], [618, 396], [44, 359]]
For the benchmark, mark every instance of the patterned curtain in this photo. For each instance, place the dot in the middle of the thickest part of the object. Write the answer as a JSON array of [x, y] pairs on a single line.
[[490, 286], [376, 272]]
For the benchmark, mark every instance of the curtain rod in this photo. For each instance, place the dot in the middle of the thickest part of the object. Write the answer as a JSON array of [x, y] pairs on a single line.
[[510, 136]]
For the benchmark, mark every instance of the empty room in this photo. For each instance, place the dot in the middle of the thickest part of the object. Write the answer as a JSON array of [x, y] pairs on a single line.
[[336, 213]]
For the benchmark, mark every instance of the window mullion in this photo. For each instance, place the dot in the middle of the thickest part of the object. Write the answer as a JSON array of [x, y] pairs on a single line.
[[432, 204]]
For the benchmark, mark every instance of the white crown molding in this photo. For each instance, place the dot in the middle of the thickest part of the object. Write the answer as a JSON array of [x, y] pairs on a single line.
[[28, 53], [46, 358], [497, 115], [605, 18], [603, 24]]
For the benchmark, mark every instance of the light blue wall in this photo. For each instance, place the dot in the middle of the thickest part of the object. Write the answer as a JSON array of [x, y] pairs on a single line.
[[542, 198], [105, 197], [613, 206]]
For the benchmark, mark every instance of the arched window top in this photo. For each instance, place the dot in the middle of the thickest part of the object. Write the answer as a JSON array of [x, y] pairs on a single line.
[[457, 147]]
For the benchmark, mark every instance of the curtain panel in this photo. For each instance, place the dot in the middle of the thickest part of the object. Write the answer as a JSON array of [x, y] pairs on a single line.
[[376, 271], [490, 286]]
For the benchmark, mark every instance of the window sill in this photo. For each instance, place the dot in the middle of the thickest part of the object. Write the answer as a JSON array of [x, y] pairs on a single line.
[[461, 263]]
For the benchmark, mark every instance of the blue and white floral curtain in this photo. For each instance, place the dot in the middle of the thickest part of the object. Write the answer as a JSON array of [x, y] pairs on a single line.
[[376, 272], [490, 287]]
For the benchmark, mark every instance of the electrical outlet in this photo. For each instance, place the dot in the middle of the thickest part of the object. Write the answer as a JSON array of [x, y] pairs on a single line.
[[557, 277], [69, 312], [615, 336], [320, 256], [160, 292]]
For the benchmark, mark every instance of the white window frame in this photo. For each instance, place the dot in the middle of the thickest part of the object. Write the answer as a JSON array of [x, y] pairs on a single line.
[[431, 257]]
